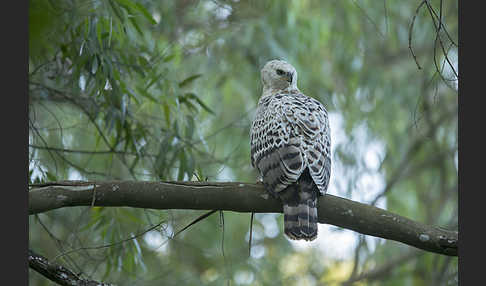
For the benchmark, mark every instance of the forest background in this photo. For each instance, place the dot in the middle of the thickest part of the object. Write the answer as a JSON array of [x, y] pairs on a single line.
[[166, 90]]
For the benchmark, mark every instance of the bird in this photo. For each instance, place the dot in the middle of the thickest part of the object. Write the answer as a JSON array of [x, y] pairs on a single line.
[[290, 146]]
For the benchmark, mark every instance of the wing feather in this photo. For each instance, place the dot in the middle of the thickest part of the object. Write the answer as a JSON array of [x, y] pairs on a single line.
[[290, 132]]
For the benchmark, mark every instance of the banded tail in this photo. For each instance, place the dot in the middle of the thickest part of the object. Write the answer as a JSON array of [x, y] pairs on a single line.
[[300, 208]]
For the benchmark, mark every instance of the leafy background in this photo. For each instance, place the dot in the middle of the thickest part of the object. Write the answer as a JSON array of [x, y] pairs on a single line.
[[166, 90]]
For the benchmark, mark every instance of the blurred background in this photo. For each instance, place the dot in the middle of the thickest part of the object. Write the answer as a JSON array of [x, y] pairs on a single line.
[[166, 90]]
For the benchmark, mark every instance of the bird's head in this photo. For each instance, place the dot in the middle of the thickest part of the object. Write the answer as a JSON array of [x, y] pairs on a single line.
[[279, 75]]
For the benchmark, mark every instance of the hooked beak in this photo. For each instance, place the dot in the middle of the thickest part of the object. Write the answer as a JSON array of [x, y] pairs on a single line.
[[289, 76]]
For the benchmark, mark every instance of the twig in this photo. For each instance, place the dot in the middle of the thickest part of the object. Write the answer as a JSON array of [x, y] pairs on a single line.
[[110, 244], [251, 233], [94, 195], [437, 28], [384, 269], [103, 152], [369, 18], [442, 25], [410, 31], [43, 141], [221, 224], [69, 260], [58, 273], [195, 221], [357, 251]]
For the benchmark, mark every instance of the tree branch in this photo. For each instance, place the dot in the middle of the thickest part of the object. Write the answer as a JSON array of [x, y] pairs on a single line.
[[383, 270], [58, 273], [239, 197]]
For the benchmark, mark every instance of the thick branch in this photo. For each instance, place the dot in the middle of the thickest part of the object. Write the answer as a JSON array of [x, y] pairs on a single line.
[[58, 273], [239, 197]]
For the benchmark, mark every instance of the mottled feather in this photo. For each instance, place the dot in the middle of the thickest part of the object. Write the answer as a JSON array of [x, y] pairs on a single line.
[[290, 146]]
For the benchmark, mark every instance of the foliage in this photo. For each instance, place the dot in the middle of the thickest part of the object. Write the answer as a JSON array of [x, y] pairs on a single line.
[[148, 90]]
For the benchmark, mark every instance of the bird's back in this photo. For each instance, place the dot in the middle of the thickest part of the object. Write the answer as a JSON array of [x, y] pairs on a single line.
[[290, 146]]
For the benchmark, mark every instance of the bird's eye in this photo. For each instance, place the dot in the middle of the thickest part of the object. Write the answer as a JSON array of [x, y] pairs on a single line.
[[280, 72]]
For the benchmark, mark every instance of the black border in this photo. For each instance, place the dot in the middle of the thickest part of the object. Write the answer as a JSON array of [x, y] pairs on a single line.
[[471, 122], [15, 136]]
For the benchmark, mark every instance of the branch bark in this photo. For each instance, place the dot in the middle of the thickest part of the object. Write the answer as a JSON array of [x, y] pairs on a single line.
[[239, 197], [57, 273]]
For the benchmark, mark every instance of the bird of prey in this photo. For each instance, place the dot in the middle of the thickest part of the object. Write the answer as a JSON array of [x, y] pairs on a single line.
[[290, 143]]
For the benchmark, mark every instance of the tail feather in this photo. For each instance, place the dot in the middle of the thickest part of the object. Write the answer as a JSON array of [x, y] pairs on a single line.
[[300, 222], [300, 209]]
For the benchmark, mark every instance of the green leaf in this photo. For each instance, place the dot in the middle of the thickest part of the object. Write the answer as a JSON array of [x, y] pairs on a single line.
[[117, 11], [129, 216], [160, 161], [204, 106], [182, 165], [190, 126], [128, 5], [175, 128], [199, 173], [166, 108], [137, 247], [184, 100], [199, 101], [111, 32], [154, 79], [189, 80], [143, 62], [108, 268], [94, 65], [137, 27], [51, 177], [190, 164], [87, 27], [133, 7], [99, 30], [168, 58], [143, 92], [146, 13]]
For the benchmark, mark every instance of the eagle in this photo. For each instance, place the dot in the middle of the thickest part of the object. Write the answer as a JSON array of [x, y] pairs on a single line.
[[290, 141]]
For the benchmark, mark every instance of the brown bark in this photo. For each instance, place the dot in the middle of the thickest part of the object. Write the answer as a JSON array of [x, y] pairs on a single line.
[[239, 197], [57, 273]]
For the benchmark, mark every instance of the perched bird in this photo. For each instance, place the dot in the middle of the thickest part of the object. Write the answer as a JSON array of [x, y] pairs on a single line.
[[291, 148]]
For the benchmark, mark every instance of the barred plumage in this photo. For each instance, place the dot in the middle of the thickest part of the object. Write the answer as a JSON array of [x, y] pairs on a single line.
[[291, 148]]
